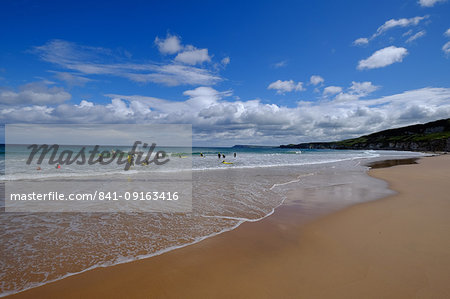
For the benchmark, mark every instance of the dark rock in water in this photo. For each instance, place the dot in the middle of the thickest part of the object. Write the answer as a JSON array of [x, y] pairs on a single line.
[[390, 163]]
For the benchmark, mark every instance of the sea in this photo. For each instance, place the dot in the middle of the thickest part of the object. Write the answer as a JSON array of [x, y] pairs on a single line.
[[38, 248]]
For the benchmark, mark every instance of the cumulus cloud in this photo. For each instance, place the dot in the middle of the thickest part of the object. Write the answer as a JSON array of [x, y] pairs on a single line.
[[429, 3], [93, 61], [346, 97], [33, 93], [363, 88], [383, 57], [202, 97], [447, 33], [219, 120], [169, 45], [416, 36], [186, 54], [356, 91], [390, 24], [331, 90], [285, 86], [315, 80], [446, 48], [193, 56]]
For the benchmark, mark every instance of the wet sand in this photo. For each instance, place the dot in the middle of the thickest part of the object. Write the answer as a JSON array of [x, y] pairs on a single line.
[[395, 247]]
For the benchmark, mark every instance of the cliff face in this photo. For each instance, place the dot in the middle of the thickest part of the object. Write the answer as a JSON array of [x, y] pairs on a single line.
[[433, 136]]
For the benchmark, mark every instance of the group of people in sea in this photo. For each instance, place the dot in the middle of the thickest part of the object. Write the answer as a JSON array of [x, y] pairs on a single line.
[[58, 166], [219, 155], [131, 159]]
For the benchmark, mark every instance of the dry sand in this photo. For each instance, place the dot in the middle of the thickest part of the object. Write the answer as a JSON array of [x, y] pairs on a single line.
[[397, 247]]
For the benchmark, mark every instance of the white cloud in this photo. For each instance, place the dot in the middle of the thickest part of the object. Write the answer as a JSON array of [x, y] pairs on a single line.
[[217, 120], [202, 97], [447, 33], [383, 57], [280, 64], [363, 88], [429, 3], [330, 90], [407, 33], [315, 80], [356, 91], [32, 114], [286, 86], [193, 56], [186, 54], [361, 41], [226, 60], [34, 93], [170, 45], [346, 97], [174, 75], [390, 24], [71, 79], [446, 48], [416, 36], [93, 61]]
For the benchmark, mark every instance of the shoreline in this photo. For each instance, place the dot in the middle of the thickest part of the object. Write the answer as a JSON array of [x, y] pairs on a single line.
[[267, 244]]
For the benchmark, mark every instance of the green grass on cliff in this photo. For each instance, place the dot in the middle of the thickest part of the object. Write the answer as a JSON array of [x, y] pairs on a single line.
[[401, 138]]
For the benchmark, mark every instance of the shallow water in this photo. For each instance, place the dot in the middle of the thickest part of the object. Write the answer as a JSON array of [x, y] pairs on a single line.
[[37, 248]]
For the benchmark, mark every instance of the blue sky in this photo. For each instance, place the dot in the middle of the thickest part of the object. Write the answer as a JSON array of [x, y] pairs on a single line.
[[266, 72]]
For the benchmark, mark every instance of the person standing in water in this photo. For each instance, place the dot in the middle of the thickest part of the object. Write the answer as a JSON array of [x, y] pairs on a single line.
[[218, 155], [223, 156], [235, 155], [130, 159]]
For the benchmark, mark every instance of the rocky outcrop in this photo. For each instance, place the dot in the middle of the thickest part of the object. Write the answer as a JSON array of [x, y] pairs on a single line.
[[433, 136]]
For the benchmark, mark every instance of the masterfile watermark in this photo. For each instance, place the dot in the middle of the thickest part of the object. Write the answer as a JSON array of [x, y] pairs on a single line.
[[94, 156], [98, 168], [100, 196]]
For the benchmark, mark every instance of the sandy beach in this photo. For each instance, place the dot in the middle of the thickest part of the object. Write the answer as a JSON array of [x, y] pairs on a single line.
[[396, 247], [201, 149]]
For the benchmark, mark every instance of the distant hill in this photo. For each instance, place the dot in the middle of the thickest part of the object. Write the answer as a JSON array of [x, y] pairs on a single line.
[[252, 146], [433, 136]]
